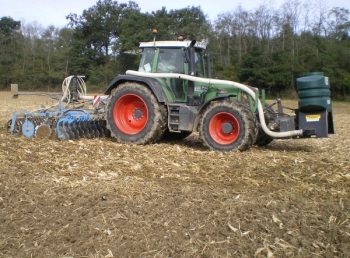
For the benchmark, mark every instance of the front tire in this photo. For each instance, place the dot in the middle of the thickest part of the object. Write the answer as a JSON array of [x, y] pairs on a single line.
[[134, 115], [227, 126]]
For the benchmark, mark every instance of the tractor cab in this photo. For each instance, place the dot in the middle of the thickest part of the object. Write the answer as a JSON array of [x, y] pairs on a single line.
[[180, 57], [185, 57]]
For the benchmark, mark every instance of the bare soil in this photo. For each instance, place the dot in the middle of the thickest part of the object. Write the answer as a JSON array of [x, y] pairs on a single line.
[[98, 198]]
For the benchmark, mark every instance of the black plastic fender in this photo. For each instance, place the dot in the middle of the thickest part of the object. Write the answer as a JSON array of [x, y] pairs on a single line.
[[151, 83]]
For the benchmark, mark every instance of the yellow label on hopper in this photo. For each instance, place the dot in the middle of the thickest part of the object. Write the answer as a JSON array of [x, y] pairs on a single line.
[[313, 118]]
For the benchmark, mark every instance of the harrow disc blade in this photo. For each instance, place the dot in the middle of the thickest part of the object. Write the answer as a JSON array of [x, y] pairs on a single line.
[[85, 129], [43, 131], [62, 131], [8, 126], [99, 128], [90, 133], [93, 127], [103, 124], [69, 135], [80, 129], [15, 127], [74, 130]]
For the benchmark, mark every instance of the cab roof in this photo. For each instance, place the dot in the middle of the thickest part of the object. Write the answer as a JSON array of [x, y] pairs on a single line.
[[174, 44]]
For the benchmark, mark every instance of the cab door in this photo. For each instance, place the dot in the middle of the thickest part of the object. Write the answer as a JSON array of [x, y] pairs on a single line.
[[171, 60]]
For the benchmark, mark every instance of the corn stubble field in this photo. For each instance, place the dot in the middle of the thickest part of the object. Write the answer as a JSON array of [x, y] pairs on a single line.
[[98, 198]]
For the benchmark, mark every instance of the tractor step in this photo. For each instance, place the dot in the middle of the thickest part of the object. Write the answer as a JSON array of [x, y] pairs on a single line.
[[174, 118]]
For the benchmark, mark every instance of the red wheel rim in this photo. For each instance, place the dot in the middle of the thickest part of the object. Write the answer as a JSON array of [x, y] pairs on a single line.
[[130, 114], [224, 128]]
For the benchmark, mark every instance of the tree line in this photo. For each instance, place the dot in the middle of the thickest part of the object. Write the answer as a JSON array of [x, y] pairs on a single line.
[[266, 47]]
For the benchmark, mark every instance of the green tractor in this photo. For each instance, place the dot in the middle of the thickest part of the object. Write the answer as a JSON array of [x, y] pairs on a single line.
[[172, 95]]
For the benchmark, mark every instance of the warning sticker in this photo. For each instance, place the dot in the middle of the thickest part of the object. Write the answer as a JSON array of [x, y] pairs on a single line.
[[313, 118]]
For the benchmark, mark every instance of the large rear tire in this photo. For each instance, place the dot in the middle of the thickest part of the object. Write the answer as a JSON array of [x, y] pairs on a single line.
[[134, 115], [227, 126]]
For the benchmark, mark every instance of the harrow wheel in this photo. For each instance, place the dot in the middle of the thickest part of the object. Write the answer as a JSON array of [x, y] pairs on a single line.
[[28, 129], [227, 126], [134, 115]]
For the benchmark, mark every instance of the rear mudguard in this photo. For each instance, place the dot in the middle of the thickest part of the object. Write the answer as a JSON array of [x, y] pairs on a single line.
[[151, 83]]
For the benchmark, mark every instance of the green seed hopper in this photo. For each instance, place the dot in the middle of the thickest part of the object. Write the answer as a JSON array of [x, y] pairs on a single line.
[[315, 106]]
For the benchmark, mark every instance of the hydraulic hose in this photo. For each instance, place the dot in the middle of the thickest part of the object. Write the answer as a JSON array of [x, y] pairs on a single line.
[[81, 89], [240, 86]]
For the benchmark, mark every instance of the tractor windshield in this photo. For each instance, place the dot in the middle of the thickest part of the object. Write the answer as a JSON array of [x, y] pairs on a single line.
[[170, 60]]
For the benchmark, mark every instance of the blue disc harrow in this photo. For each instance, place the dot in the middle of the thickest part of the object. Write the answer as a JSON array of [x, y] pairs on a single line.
[[76, 115], [70, 124]]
